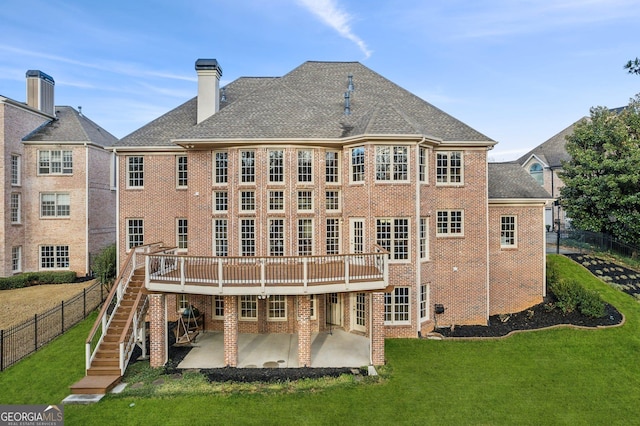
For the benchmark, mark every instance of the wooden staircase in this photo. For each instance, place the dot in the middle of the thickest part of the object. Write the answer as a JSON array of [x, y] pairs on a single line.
[[104, 372]]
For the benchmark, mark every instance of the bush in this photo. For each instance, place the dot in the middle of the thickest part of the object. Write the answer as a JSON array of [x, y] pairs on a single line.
[[104, 265], [572, 295], [35, 278], [591, 304]]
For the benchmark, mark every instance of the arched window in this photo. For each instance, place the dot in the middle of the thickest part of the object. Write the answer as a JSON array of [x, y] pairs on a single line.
[[536, 172]]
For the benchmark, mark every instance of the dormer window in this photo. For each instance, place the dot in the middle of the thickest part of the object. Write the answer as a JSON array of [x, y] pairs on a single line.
[[536, 172]]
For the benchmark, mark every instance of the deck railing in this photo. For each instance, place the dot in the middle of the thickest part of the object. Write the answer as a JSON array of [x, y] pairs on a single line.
[[263, 272]]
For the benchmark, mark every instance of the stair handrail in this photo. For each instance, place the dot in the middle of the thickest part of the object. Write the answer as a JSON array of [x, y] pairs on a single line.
[[137, 311]]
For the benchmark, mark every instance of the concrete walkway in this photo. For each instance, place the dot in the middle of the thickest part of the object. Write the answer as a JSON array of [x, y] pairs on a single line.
[[338, 349]]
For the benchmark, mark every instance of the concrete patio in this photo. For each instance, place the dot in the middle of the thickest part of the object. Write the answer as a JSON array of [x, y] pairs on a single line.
[[335, 349]]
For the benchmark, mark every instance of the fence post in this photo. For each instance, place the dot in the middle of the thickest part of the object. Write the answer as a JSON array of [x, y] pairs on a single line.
[[35, 334], [62, 318], [1, 350], [84, 303]]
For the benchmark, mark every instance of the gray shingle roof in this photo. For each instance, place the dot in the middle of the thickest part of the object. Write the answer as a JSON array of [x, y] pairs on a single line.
[[308, 102], [510, 180], [71, 126], [552, 151]]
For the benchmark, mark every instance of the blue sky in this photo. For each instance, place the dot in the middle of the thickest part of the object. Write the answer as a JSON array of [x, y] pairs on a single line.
[[518, 71]]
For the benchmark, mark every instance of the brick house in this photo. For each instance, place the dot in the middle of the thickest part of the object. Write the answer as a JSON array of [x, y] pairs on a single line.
[[58, 206], [328, 197]]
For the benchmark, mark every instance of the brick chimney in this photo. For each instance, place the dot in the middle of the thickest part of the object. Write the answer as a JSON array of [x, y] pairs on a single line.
[[209, 73], [40, 91]]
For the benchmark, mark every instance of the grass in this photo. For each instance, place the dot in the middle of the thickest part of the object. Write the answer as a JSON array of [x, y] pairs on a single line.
[[559, 376]]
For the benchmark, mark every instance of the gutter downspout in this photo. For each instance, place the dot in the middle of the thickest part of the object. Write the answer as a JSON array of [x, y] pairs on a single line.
[[87, 168], [116, 180], [488, 269], [418, 206]]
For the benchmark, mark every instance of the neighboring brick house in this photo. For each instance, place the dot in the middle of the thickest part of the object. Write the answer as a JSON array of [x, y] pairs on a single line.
[[59, 205], [291, 182]]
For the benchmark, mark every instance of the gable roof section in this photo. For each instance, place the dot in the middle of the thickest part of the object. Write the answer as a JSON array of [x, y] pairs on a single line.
[[71, 126], [511, 181], [308, 102]]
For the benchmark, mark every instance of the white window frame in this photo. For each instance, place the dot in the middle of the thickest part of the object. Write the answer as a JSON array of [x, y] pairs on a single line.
[[333, 235], [61, 165], [305, 200], [305, 166], [182, 234], [16, 170], [332, 167], [332, 200], [221, 237], [59, 256], [220, 201], [247, 167], [16, 259], [313, 306], [304, 234], [247, 201], [16, 208], [135, 172], [248, 304], [423, 235], [448, 173], [508, 231], [60, 209], [397, 306], [276, 238], [276, 201], [388, 236], [135, 239], [220, 167], [218, 307], [446, 227], [276, 166], [424, 306], [247, 236], [423, 162], [357, 165], [392, 163], [537, 172], [182, 172], [277, 308]]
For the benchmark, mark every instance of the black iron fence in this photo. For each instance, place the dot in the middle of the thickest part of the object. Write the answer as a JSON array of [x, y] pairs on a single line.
[[587, 241], [20, 340]]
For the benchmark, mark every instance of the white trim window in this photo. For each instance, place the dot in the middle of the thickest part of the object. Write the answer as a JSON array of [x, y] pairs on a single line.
[[333, 236], [218, 307], [182, 235], [16, 208], [312, 310], [397, 307], [332, 200], [450, 223], [393, 236], [221, 200], [16, 172], [55, 162], [276, 237], [276, 201], [357, 164], [424, 312], [422, 165], [305, 237], [424, 238], [277, 308], [332, 167], [305, 166], [305, 200], [247, 166], [276, 166], [135, 172], [16, 259], [247, 201], [449, 169], [220, 169], [181, 171], [508, 231], [54, 257], [248, 307], [536, 171], [56, 204], [220, 237], [247, 237], [392, 163], [135, 233]]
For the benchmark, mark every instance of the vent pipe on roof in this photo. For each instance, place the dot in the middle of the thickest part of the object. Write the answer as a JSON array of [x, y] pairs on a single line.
[[350, 86], [347, 103], [40, 91], [209, 73]]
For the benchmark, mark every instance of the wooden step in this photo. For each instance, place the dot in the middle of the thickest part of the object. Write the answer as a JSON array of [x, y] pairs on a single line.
[[95, 385], [103, 371]]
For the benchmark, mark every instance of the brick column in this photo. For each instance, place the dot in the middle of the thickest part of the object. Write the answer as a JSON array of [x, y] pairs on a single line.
[[157, 330], [377, 328], [230, 331], [304, 331]]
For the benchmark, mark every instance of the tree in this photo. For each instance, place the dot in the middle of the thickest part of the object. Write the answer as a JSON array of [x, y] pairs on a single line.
[[104, 265], [633, 66], [602, 179]]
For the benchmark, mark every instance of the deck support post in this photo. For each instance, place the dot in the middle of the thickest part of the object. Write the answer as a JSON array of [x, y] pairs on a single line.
[[304, 331], [377, 328], [230, 331], [158, 330]]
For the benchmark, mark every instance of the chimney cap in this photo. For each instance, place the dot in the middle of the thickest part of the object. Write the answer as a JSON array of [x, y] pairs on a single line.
[[208, 64], [40, 74]]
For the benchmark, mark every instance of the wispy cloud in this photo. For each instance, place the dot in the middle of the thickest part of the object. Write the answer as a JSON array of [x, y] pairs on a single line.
[[331, 14]]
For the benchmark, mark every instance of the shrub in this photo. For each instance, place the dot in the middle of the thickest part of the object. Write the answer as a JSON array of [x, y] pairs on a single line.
[[104, 265], [591, 304], [572, 295], [34, 278]]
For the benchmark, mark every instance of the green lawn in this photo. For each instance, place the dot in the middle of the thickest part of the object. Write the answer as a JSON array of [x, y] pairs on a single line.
[[560, 376]]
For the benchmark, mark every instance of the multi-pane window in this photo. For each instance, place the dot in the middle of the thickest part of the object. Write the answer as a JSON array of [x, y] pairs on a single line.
[[305, 200], [305, 237], [218, 306], [536, 172], [220, 237], [312, 310], [15, 208], [181, 171], [247, 166], [332, 170], [248, 307], [357, 164], [507, 231], [55, 205], [247, 237], [393, 236], [396, 306], [305, 168], [333, 236], [247, 201], [424, 251], [181, 233], [135, 233], [182, 302], [52, 257], [392, 163], [332, 200], [55, 162], [221, 201], [422, 164], [276, 201], [449, 222], [135, 172], [221, 167], [276, 237], [277, 308], [276, 166], [423, 301], [16, 259], [15, 170], [449, 167]]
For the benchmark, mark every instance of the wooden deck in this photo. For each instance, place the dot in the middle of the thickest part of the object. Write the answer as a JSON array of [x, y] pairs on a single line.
[[92, 385]]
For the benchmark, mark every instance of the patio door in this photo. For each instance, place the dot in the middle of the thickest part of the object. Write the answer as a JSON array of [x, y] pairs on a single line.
[[356, 239], [334, 309], [358, 312]]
